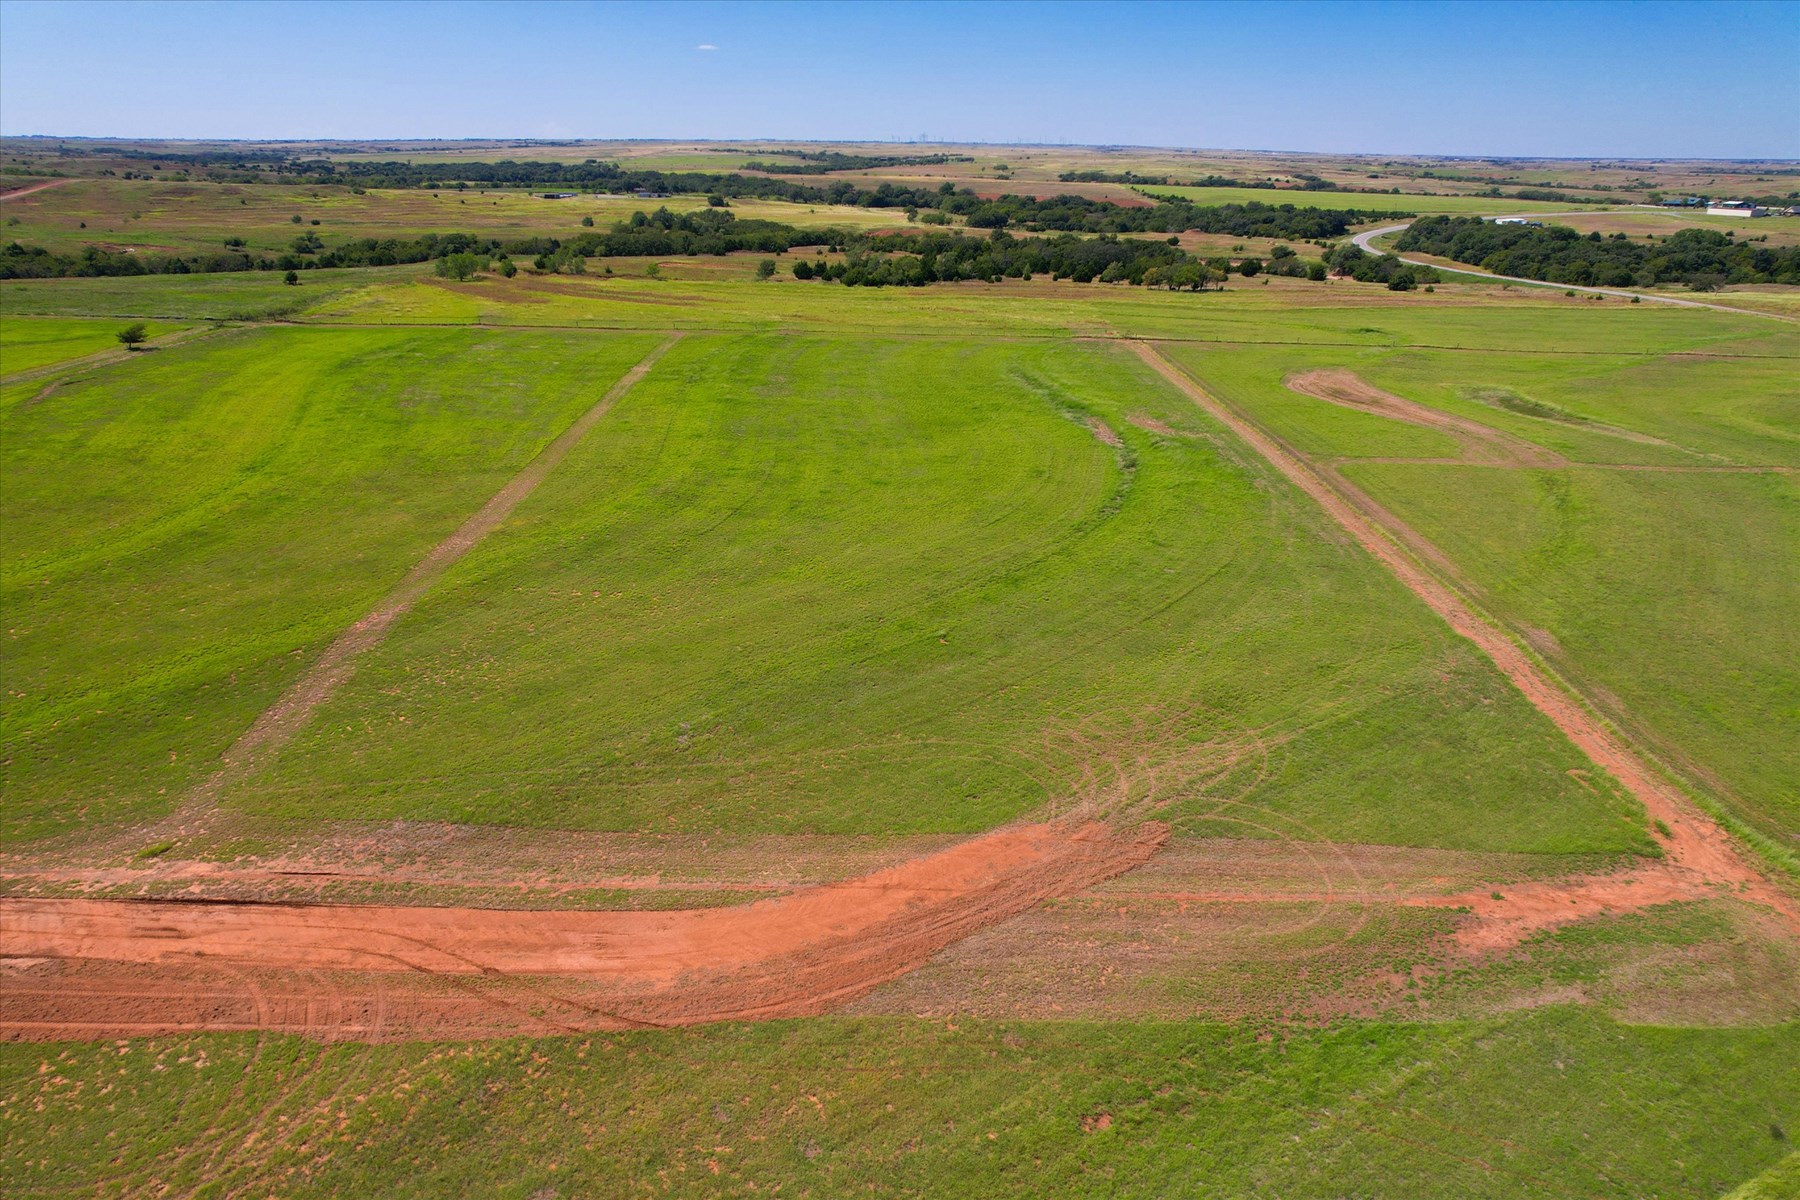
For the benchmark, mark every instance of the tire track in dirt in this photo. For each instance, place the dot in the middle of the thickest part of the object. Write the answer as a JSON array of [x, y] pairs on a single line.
[[281, 720], [789, 956], [1699, 853]]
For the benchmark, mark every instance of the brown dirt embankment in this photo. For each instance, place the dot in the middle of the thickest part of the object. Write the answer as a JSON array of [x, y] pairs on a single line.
[[786, 956]]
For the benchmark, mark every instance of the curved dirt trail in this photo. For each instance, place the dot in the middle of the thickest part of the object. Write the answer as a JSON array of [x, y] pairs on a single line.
[[32, 189], [1696, 846], [788, 956], [1480, 443]]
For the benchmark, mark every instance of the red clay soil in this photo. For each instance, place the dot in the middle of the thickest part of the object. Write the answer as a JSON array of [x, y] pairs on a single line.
[[788, 956], [1696, 848]]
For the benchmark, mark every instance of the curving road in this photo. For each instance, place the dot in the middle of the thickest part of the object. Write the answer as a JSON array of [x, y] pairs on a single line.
[[1363, 241]]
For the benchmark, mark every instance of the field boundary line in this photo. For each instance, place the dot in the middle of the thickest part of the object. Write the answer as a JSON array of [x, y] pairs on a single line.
[[278, 723], [1696, 842]]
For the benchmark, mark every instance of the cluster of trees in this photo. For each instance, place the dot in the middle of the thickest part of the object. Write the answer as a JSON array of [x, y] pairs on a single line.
[[1700, 258], [917, 259], [1354, 262], [824, 162], [708, 231]]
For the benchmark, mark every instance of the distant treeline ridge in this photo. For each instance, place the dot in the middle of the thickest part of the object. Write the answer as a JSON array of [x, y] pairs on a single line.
[[709, 231]]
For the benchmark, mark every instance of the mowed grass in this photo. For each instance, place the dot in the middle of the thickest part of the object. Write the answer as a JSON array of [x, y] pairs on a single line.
[[184, 530], [864, 586], [26, 345], [191, 218], [1551, 1103], [1672, 592]]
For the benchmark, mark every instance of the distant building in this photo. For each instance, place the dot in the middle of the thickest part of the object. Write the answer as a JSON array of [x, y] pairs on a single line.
[[647, 194], [1518, 221], [1735, 208], [1683, 202], [559, 195]]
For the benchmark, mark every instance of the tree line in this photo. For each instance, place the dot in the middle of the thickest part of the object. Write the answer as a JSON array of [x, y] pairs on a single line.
[[708, 231], [824, 162], [1700, 258]]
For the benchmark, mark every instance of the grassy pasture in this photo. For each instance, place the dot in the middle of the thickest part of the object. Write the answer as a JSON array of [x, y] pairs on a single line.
[[1287, 312], [228, 296], [1700, 580], [26, 345], [185, 528], [856, 586], [1696, 570], [1550, 1103], [189, 218]]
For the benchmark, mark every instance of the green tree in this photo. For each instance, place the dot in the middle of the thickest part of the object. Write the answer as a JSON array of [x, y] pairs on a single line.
[[765, 268], [133, 335], [291, 278], [460, 266]]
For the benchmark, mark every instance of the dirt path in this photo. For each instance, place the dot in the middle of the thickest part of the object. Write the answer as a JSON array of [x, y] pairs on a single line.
[[16, 193], [1480, 443], [1695, 844], [787, 956], [281, 720]]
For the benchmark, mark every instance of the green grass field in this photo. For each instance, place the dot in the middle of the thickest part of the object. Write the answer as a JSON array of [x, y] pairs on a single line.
[[1554, 1103], [184, 529], [852, 586], [852, 565], [1670, 588], [31, 345]]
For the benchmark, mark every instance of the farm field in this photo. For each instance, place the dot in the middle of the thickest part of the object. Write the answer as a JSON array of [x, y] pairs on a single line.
[[166, 568], [1297, 739], [1646, 469], [721, 617], [189, 218], [895, 1107]]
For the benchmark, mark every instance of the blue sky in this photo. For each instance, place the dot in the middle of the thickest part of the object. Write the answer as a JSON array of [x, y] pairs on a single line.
[[1719, 79]]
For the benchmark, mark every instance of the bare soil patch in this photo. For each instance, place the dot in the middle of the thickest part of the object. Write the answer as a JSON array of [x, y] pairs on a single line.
[[787, 956]]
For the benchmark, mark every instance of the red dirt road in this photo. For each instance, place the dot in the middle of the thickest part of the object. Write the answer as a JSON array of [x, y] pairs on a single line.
[[786, 956]]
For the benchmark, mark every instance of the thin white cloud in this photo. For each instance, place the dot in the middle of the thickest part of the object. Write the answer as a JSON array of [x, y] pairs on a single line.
[[706, 46]]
